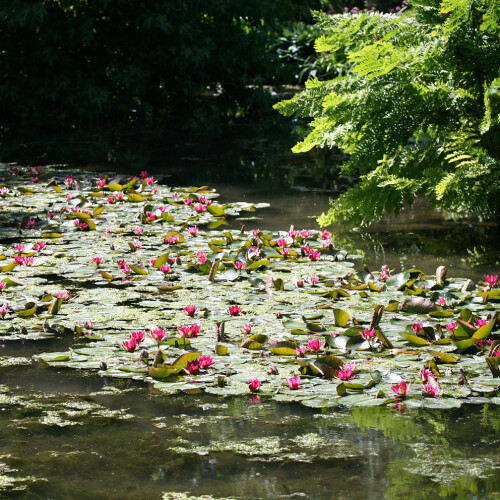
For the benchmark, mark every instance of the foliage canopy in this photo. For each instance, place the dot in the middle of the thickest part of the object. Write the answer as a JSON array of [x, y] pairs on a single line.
[[75, 63], [419, 111]]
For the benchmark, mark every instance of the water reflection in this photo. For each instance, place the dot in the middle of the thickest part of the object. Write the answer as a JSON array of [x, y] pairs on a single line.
[[117, 440]]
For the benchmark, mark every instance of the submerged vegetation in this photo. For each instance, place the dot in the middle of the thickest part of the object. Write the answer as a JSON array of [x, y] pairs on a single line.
[[417, 113], [152, 287]]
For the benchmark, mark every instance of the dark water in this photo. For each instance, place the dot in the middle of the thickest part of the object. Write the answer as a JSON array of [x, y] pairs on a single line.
[[66, 435], [231, 447]]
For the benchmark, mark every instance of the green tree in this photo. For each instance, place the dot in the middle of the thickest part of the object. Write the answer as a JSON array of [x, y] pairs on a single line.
[[419, 111], [68, 64]]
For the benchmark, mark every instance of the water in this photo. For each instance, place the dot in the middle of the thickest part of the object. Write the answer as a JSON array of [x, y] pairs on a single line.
[[69, 437], [65, 434]]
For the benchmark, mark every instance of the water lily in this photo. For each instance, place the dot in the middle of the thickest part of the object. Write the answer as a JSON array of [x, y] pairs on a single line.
[[193, 367], [4, 309], [368, 334], [254, 384], [130, 345], [97, 260], [200, 208], [19, 248], [202, 257], [101, 183], [293, 234], [188, 201], [157, 334], [126, 269], [247, 328], [193, 231], [51, 215], [491, 280], [273, 370], [138, 230], [281, 243], [30, 224], [184, 331], [305, 233], [111, 200], [299, 283], [285, 252], [189, 310], [2, 285], [88, 324], [432, 387], [293, 382], [28, 261], [313, 280], [234, 310], [325, 235], [442, 301], [149, 180], [425, 374], [138, 336], [300, 352], [314, 345], [401, 389], [39, 245], [205, 361], [315, 255], [480, 322], [417, 327], [306, 250], [451, 326], [384, 276], [165, 269], [137, 244], [239, 265]]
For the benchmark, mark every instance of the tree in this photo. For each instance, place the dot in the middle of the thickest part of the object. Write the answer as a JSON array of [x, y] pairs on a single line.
[[72, 64], [419, 111]]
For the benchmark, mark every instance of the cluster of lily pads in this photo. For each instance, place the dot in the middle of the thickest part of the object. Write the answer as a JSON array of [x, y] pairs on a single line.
[[155, 284]]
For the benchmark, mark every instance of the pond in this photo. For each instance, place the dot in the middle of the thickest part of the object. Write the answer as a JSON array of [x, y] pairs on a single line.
[[74, 424]]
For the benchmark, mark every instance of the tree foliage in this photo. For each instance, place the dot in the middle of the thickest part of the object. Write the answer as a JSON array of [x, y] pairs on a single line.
[[419, 111], [78, 63]]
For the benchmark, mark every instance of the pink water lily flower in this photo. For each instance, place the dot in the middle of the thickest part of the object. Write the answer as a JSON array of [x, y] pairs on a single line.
[[247, 328], [235, 310], [205, 361], [305, 233], [138, 336], [101, 183], [202, 257], [425, 374], [491, 280], [481, 322], [417, 327], [4, 309], [193, 231], [165, 269], [299, 283], [368, 334], [189, 310], [293, 382], [451, 326], [193, 367], [97, 260], [39, 245], [314, 345], [315, 255], [19, 259], [138, 230], [158, 334], [300, 352], [432, 387], [30, 224], [200, 208], [306, 250], [184, 331], [401, 389], [313, 280], [285, 252], [254, 384], [130, 345], [239, 265], [20, 248], [442, 301], [2, 285]]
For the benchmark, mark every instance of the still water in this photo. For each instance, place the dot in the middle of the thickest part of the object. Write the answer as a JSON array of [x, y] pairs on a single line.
[[65, 435]]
